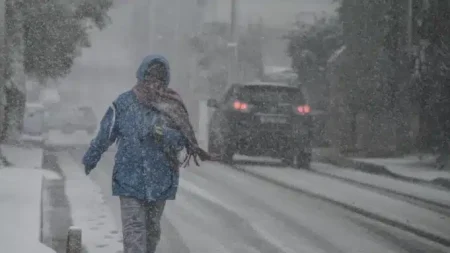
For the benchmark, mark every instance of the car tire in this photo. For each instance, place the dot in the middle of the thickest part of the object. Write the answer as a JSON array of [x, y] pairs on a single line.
[[226, 154], [211, 145], [288, 161], [224, 151], [301, 160]]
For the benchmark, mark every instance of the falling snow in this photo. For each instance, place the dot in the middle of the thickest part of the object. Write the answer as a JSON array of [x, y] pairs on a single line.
[[325, 125]]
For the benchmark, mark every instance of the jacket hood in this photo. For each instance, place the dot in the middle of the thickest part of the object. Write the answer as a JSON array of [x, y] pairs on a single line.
[[149, 60]]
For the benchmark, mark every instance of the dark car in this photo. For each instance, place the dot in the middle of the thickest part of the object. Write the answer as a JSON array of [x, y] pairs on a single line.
[[262, 119]]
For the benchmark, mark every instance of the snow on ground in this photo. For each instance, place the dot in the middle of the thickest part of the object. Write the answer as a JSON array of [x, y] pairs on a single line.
[[23, 157], [48, 174], [410, 166], [240, 158], [363, 199], [56, 138], [28, 158], [38, 139], [222, 210], [89, 210], [418, 190], [20, 211]]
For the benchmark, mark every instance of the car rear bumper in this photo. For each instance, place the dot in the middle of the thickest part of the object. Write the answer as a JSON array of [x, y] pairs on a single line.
[[273, 143]]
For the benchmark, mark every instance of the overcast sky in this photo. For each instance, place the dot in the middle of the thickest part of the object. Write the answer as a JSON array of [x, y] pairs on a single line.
[[273, 12]]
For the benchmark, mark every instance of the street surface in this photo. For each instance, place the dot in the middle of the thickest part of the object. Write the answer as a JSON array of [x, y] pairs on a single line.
[[219, 209]]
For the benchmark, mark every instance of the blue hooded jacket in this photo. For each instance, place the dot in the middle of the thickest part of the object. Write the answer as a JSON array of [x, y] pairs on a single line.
[[142, 169]]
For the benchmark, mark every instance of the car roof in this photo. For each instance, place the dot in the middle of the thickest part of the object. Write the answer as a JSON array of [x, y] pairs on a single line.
[[274, 84]]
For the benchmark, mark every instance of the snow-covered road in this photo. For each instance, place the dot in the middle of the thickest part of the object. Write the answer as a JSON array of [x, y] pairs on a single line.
[[222, 210]]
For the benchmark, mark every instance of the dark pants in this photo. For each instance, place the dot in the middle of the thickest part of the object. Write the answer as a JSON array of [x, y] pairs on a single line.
[[141, 224]]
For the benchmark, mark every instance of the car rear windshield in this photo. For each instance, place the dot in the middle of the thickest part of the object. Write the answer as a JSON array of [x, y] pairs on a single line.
[[266, 93]]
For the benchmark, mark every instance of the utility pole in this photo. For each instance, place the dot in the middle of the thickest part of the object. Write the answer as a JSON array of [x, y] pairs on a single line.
[[233, 20], [175, 52], [198, 21], [232, 44], [410, 25]]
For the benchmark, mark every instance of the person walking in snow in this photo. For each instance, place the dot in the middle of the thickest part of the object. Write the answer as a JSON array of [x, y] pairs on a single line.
[[150, 125]]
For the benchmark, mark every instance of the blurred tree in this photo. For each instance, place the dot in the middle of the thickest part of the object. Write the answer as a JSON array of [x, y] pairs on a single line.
[[13, 70], [365, 25], [432, 22], [212, 47], [250, 55], [55, 31], [377, 71], [2, 65], [42, 40], [382, 71], [310, 46]]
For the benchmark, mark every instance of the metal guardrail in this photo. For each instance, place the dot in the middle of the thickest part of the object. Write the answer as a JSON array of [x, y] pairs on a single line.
[[74, 244]]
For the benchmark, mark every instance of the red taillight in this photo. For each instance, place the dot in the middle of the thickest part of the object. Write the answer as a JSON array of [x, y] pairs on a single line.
[[303, 109], [240, 106]]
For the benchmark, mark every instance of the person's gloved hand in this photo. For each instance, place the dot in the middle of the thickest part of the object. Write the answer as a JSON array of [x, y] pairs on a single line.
[[158, 130], [158, 133], [88, 169]]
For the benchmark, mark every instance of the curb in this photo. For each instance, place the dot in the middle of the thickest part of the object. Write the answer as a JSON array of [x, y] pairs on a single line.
[[442, 182], [57, 238], [371, 215], [25, 145], [41, 210], [380, 170]]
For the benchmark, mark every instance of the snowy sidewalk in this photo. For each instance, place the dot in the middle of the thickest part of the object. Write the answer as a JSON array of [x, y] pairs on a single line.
[[58, 141], [420, 191], [401, 214], [21, 211], [89, 209], [409, 168], [23, 157]]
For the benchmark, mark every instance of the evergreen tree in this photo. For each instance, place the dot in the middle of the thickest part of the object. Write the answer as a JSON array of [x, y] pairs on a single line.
[[55, 31], [310, 47], [211, 45], [42, 39], [432, 22], [250, 50]]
